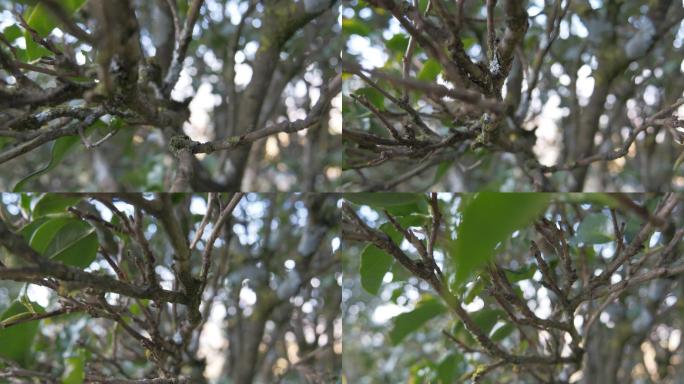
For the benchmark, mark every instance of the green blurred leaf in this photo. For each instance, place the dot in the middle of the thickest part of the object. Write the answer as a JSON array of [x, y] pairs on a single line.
[[74, 373], [375, 263], [51, 203], [74, 244], [595, 228], [373, 95], [450, 368], [525, 273], [43, 22], [398, 43], [502, 332], [422, 5], [488, 219], [392, 232], [486, 318], [12, 33], [468, 42], [431, 69], [419, 207], [355, 27], [409, 322], [473, 290], [16, 341]]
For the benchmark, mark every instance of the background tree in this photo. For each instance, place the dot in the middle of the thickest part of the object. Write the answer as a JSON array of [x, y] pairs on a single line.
[[514, 288], [539, 95], [160, 95], [169, 288]]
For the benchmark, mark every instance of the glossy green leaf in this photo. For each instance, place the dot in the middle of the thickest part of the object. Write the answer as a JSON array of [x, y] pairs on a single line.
[[488, 219], [595, 228], [60, 148], [43, 235], [29, 229], [16, 340], [450, 368], [375, 263], [25, 203], [382, 200], [430, 71], [51, 203], [409, 322], [74, 244], [74, 373]]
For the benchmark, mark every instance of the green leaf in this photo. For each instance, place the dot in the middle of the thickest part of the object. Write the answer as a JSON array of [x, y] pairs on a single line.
[[409, 322], [44, 234], [355, 27], [488, 219], [29, 229], [397, 43], [502, 332], [375, 263], [25, 203], [486, 318], [16, 340], [392, 232], [34, 51], [468, 42], [422, 5], [595, 228], [430, 71], [74, 244], [601, 199], [12, 33], [373, 95], [474, 290], [60, 148], [43, 22], [449, 368], [51, 203], [514, 276], [136, 309], [382, 200], [74, 372]]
